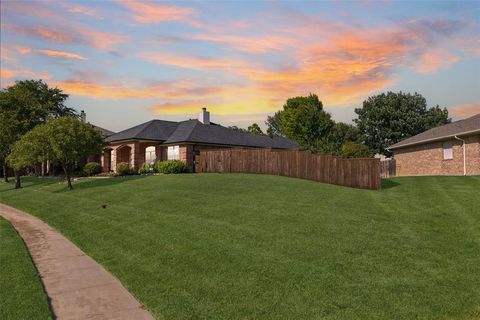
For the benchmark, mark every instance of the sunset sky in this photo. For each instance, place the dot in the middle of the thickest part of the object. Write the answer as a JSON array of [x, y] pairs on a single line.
[[126, 62]]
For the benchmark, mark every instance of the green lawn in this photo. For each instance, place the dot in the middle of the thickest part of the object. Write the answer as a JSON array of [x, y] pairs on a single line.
[[21, 292], [243, 246]]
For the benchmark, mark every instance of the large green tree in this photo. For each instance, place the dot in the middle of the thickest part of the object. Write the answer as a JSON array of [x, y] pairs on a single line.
[[23, 106], [303, 120], [63, 140], [390, 117]]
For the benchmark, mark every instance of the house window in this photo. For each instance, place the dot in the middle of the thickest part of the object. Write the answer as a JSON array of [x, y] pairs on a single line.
[[150, 155], [173, 153], [447, 150]]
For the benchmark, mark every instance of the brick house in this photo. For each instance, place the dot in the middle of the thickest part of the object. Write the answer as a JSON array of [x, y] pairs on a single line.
[[168, 140], [451, 149]]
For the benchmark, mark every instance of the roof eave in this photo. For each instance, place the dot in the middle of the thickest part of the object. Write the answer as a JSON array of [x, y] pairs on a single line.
[[433, 139]]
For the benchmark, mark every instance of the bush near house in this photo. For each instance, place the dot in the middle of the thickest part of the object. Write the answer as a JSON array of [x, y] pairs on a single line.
[[92, 168], [123, 169], [355, 150], [171, 166], [147, 168]]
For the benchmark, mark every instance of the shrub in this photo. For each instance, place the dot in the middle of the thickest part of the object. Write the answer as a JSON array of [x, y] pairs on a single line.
[[171, 166], [147, 168], [123, 169], [355, 150], [92, 168]]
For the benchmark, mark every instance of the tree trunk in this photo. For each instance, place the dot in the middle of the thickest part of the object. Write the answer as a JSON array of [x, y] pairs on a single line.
[[18, 183], [5, 173], [67, 176]]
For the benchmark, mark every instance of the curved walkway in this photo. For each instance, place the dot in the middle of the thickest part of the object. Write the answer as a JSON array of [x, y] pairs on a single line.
[[77, 286]]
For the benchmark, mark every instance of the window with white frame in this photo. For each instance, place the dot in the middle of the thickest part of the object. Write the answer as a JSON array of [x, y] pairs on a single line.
[[447, 150], [173, 153]]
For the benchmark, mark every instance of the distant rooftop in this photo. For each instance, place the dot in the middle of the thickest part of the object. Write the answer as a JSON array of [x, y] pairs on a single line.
[[458, 128]]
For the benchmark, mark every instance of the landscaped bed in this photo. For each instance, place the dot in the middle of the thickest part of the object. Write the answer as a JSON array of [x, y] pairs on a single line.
[[21, 292], [212, 246]]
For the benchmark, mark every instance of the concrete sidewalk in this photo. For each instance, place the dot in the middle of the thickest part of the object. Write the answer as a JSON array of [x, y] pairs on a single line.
[[77, 286]]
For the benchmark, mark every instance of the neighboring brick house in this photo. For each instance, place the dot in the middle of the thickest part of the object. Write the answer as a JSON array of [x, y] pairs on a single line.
[[162, 140], [451, 149]]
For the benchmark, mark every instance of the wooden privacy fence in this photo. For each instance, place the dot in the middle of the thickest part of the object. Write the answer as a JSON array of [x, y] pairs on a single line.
[[355, 173], [388, 168]]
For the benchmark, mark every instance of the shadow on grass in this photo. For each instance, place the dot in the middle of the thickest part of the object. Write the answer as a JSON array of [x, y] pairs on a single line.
[[28, 182], [88, 183], [388, 184]]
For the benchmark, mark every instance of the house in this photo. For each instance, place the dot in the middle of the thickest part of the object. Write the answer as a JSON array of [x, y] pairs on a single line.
[[168, 140], [451, 149]]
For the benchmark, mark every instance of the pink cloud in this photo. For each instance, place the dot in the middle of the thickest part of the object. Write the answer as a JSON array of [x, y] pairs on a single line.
[[435, 60], [80, 9], [255, 44], [465, 110], [47, 52], [61, 54], [151, 12], [81, 36]]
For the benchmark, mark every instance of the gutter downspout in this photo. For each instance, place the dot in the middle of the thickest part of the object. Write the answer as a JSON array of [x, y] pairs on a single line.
[[464, 156]]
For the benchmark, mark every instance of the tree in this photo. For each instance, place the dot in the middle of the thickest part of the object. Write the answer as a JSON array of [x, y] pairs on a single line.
[[303, 120], [341, 133], [255, 129], [235, 128], [32, 148], [274, 125], [386, 119], [63, 140], [355, 150], [23, 106]]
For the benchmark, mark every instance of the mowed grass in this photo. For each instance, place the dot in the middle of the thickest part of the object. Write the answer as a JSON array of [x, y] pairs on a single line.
[[212, 246], [21, 292]]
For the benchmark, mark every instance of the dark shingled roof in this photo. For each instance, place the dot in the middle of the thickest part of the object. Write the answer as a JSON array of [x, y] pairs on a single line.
[[196, 132], [457, 128], [105, 132], [158, 130]]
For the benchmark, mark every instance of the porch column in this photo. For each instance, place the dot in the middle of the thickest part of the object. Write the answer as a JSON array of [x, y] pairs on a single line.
[[158, 153], [113, 160], [105, 160], [136, 156]]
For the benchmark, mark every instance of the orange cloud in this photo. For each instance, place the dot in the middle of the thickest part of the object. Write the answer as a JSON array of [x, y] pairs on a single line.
[[6, 73], [176, 89], [193, 62], [21, 74], [465, 110], [62, 54], [148, 12], [52, 53]]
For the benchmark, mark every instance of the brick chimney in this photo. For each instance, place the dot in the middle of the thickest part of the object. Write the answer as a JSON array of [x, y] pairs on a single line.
[[83, 116], [204, 116]]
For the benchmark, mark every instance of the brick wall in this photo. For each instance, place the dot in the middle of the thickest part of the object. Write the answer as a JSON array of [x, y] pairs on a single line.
[[427, 159]]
